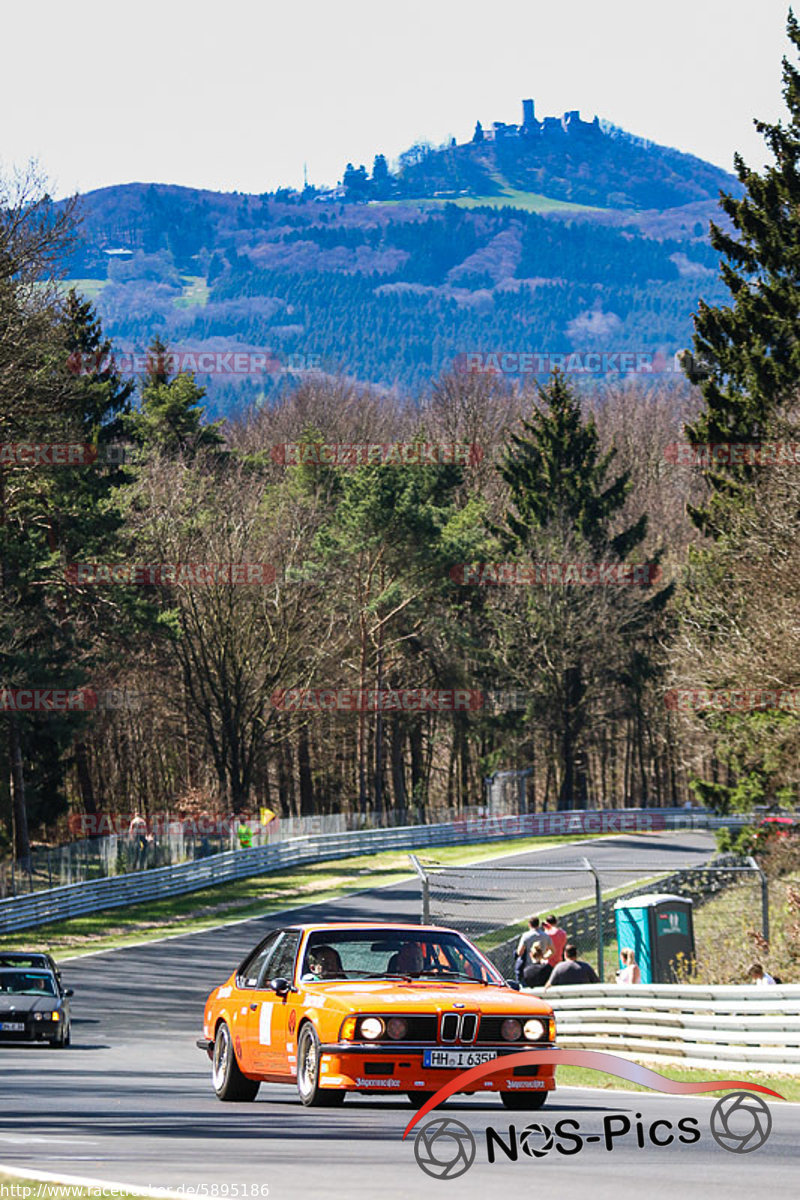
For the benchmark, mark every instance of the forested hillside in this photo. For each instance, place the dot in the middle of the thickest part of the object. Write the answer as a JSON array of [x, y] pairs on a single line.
[[327, 280]]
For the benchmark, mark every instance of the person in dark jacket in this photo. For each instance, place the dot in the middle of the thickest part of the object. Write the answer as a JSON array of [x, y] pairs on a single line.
[[571, 970], [537, 972]]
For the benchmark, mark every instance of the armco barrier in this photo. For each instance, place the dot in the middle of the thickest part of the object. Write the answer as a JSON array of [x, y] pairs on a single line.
[[746, 1028], [61, 903]]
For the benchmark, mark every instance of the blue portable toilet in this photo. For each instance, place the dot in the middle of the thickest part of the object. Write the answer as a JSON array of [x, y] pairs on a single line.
[[657, 927]]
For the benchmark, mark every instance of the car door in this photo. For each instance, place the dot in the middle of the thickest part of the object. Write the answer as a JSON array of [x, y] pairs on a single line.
[[268, 1028], [246, 1014]]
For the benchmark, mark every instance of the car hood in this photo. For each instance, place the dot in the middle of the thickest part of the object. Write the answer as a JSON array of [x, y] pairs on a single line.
[[28, 1004], [422, 995]]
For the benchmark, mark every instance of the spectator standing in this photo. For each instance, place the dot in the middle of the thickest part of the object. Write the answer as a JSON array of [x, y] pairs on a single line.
[[534, 936], [537, 973], [558, 937], [629, 971], [571, 970]]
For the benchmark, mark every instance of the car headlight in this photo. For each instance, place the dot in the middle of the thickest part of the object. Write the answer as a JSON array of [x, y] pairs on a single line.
[[534, 1029], [396, 1027], [371, 1028], [511, 1030], [38, 1016]]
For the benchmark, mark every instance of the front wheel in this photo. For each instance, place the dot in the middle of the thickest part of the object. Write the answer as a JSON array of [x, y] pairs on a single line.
[[524, 1100], [229, 1082], [308, 1063], [417, 1099]]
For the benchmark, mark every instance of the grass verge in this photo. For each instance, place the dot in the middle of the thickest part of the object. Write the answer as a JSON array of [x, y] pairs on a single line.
[[256, 896], [787, 1085]]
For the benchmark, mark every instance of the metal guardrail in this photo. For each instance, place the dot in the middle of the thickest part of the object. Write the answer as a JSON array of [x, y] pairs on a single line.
[[734, 1027], [72, 900]]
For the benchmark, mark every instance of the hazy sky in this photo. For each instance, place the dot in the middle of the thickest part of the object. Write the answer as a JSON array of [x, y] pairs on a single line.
[[238, 96]]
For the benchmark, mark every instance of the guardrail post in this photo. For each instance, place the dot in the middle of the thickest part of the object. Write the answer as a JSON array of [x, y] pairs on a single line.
[[598, 901], [764, 897], [426, 891]]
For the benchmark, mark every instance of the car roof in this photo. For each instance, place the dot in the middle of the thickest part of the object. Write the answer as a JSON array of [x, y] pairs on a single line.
[[378, 926], [21, 956]]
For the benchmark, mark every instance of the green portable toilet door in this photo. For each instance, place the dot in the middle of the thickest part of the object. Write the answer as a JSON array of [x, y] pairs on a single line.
[[672, 936]]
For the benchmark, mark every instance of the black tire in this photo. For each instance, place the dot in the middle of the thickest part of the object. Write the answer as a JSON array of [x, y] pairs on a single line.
[[417, 1099], [62, 1040], [229, 1082], [308, 1062], [524, 1100]]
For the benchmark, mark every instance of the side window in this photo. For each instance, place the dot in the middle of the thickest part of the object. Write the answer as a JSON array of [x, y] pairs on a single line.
[[251, 968], [282, 962]]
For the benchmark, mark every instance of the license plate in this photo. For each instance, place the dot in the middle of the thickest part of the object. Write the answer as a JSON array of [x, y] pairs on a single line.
[[12, 1026], [456, 1058]]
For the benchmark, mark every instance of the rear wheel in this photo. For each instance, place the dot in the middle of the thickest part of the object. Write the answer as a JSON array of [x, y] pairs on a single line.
[[308, 1064], [417, 1099], [229, 1082], [524, 1100]]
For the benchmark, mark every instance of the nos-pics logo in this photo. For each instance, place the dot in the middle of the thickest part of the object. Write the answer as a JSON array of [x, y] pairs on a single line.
[[444, 1148]]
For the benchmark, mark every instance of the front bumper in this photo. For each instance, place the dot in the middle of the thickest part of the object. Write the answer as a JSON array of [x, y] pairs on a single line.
[[33, 1031], [369, 1068]]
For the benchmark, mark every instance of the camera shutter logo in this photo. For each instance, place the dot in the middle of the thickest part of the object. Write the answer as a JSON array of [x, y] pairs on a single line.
[[444, 1148], [741, 1122], [536, 1140]]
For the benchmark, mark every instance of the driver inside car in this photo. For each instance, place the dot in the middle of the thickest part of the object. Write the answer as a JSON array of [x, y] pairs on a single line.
[[408, 960], [323, 962]]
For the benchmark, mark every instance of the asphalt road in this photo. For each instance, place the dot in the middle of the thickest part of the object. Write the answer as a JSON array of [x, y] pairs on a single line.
[[131, 1100]]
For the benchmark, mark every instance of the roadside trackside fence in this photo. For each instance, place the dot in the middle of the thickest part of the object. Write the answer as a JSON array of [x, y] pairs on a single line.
[[61, 903], [491, 903], [727, 1028]]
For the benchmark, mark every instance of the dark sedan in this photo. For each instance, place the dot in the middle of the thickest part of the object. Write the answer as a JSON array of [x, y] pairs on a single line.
[[34, 1007]]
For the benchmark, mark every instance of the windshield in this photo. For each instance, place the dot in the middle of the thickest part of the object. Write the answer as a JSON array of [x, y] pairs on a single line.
[[393, 954], [26, 983]]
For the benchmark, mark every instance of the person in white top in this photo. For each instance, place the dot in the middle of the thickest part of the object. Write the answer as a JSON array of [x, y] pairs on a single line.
[[760, 977], [629, 971], [534, 936]]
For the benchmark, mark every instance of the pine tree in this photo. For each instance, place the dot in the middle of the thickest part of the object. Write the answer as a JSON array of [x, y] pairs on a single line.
[[747, 355], [562, 500], [557, 476], [170, 418], [381, 179]]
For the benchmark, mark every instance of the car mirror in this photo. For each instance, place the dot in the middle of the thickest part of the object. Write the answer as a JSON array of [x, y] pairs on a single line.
[[280, 985], [513, 983], [69, 992]]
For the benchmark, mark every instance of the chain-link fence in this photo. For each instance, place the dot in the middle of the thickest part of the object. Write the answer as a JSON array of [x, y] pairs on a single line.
[[491, 904], [166, 841]]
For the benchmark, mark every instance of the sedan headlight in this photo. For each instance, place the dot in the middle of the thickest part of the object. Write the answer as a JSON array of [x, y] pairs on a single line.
[[371, 1028], [534, 1029], [396, 1027], [511, 1030]]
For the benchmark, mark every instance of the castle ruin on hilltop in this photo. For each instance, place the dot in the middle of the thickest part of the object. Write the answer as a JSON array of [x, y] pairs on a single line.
[[569, 125]]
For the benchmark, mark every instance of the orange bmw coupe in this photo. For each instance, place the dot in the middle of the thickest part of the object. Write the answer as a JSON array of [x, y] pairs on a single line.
[[376, 1008]]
